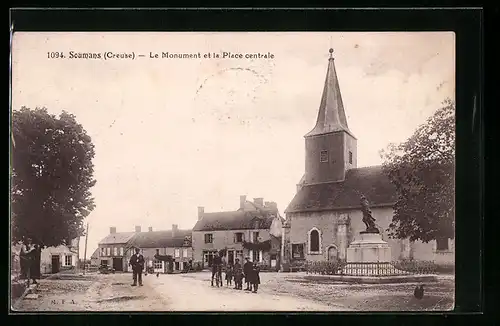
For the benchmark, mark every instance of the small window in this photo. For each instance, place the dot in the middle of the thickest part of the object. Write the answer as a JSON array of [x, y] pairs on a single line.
[[157, 251], [121, 251], [256, 256], [104, 262], [442, 244], [184, 252], [68, 260], [238, 237], [115, 251], [108, 251], [157, 264], [314, 241], [255, 237], [103, 251], [350, 157], [323, 156], [298, 251], [177, 253], [208, 238]]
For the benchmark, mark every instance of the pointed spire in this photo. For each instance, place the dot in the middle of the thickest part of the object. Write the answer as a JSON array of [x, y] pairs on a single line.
[[331, 115]]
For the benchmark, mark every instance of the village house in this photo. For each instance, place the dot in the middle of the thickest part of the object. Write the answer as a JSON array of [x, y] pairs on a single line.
[[175, 243], [113, 249], [116, 249], [324, 216], [94, 258], [55, 259], [52, 259], [254, 230]]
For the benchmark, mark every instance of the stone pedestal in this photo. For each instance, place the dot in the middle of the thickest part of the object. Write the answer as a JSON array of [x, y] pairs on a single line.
[[369, 248]]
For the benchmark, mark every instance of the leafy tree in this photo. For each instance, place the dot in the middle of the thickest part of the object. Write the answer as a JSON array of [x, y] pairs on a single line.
[[52, 173], [422, 170]]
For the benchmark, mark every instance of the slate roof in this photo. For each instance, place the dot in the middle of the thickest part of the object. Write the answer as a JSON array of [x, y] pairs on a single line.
[[159, 239], [331, 114], [118, 238], [234, 220], [95, 254], [371, 181]]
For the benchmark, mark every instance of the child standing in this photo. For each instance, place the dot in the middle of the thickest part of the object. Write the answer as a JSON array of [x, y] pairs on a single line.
[[229, 275], [255, 277], [238, 275]]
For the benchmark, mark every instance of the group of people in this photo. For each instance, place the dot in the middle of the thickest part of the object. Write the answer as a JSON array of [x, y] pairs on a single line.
[[249, 273], [30, 261]]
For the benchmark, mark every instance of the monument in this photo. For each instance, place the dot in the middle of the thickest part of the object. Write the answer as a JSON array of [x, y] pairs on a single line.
[[368, 247]]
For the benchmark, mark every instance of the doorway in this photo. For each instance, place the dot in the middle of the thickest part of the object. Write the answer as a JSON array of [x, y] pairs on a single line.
[[118, 264], [332, 254], [230, 257], [55, 264]]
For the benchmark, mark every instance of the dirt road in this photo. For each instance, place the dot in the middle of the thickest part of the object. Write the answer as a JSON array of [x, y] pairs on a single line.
[[193, 292], [180, 292], [186, 293]]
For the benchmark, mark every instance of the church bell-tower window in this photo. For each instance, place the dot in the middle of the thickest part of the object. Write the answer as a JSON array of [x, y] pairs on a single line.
[[350, 157], [323, 156]]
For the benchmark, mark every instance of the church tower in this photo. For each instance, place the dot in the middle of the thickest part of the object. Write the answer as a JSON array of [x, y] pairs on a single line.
[[331, 148]]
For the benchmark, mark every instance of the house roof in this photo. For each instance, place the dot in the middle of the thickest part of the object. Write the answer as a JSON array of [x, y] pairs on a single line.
[[118, 238], [371, 182], [95, 254], [159, 239], [235, 220]]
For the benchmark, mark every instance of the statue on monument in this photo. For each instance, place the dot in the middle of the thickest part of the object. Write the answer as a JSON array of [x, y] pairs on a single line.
[[368, 219]]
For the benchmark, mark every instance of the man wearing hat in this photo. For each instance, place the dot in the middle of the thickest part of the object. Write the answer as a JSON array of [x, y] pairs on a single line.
[[137, 263], [247, 270]]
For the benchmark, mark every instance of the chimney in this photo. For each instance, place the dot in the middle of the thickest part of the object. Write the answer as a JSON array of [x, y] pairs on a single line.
[[174, 230], [150, 229], [243, 200], [112, 230], [271, 204], [258, 201], [138, 229], [201, 211]]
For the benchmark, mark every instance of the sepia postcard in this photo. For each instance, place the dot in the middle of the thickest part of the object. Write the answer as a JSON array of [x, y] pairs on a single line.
[[224, 171]]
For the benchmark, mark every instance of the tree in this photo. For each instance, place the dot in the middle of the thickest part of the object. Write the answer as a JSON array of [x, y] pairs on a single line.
[[422, 170], [52, 174]]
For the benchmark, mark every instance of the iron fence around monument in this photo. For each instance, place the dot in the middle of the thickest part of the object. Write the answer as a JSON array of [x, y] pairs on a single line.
[[395, 268], [372, 269]]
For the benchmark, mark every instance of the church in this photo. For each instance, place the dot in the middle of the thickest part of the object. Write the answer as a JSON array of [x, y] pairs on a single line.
[[325, 215]]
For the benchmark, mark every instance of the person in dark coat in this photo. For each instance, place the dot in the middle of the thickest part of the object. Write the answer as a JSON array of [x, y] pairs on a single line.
[[247, 270], [229, 274], [238, 275], [137, 263], [35, 263], [24, 261], [217, 269], [255, 277], [29, 258]]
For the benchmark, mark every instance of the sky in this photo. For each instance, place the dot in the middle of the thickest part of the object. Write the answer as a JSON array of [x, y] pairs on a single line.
[[174, 134]]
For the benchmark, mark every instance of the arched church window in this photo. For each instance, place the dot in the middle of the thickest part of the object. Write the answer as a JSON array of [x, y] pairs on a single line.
[[314, 241]]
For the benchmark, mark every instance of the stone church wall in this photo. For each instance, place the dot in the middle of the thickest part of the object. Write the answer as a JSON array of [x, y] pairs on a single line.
[[336, 230]]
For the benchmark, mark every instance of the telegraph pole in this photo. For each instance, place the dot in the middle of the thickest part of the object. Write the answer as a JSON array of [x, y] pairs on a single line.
[[85, 251]]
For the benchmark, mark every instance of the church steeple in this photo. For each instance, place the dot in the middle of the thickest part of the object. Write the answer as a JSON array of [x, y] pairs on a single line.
[[331, 115], [331, 148]]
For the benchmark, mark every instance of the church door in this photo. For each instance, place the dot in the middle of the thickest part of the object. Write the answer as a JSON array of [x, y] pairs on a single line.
[[332, 254]]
